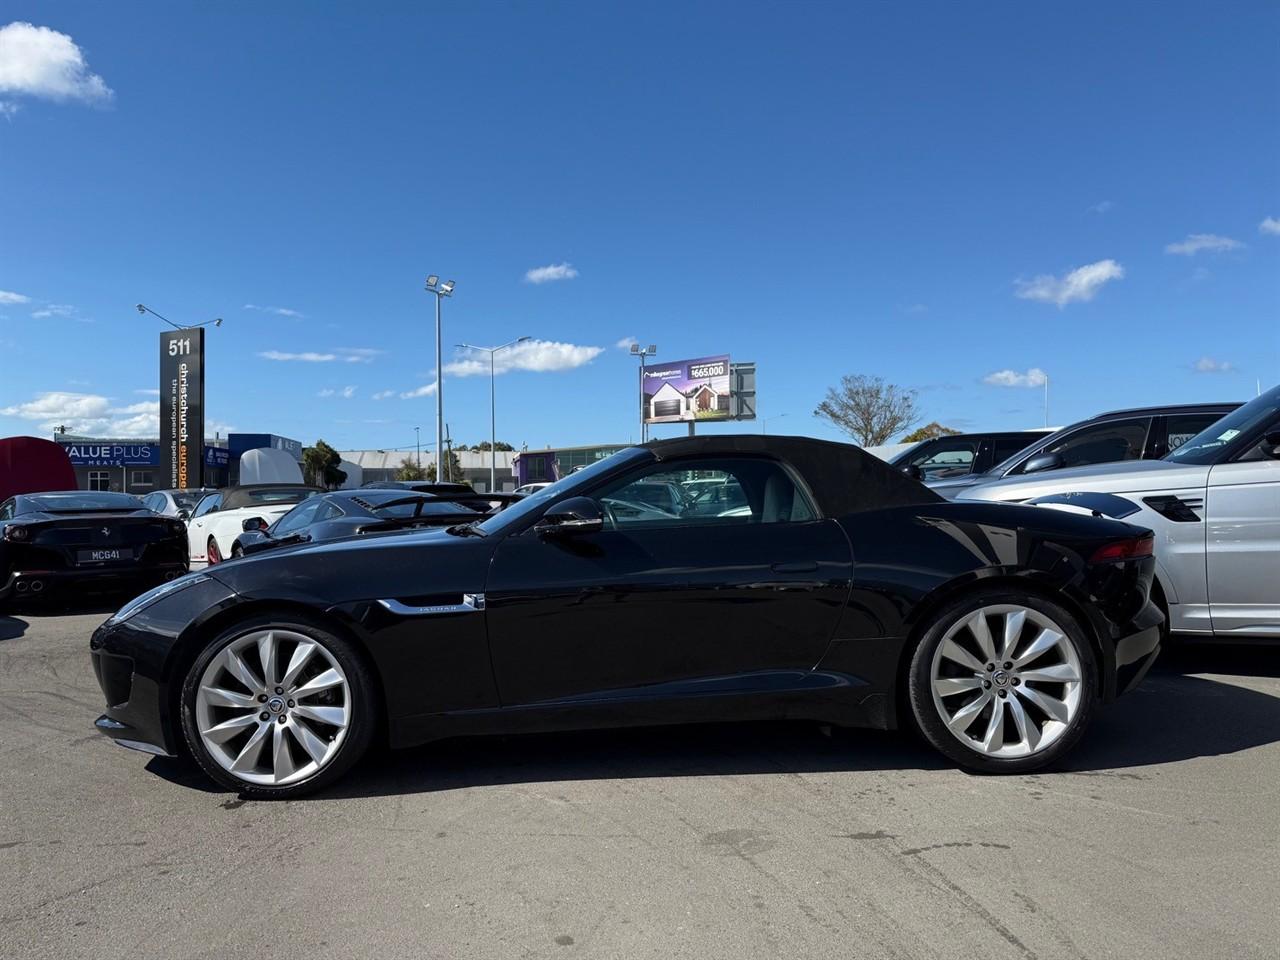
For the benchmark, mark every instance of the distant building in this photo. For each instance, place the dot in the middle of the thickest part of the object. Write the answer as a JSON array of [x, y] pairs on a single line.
[[383, 464], [535, 466]]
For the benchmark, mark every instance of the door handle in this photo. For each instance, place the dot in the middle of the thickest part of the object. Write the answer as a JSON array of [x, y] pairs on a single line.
[[798, 566]]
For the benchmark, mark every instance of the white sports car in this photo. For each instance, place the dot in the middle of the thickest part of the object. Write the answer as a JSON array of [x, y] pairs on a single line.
[[219, 518], [1214, 504]]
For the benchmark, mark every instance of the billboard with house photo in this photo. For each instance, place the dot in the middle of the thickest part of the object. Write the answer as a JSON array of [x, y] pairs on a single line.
[[687, 390]]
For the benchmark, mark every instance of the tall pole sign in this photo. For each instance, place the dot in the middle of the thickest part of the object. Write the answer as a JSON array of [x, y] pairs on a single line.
[[182, 408]]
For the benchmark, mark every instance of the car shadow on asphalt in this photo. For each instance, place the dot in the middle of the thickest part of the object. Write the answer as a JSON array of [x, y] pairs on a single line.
[[1174, 715], [11, 627]]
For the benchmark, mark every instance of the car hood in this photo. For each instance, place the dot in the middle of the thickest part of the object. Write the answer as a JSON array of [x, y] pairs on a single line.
[[1129, 477], [409, 564]]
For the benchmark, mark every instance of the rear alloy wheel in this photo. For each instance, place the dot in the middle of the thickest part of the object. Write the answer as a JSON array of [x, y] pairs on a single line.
[[212, 553], [276, 709], [1003, 683], [237, 551]]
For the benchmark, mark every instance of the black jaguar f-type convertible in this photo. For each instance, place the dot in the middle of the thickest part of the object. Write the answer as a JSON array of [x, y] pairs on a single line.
[[829, 586]]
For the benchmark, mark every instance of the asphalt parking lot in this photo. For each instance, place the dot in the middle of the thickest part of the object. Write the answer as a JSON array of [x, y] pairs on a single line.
[[1162, 839]]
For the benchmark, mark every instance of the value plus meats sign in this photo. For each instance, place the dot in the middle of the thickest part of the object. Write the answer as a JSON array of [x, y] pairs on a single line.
[[182, 409]]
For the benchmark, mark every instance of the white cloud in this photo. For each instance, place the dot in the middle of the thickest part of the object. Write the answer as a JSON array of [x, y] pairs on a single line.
[[539, 356], [1210, 365], [305, 357], [148, 392], [326, 392], [1269, 225], [1101, 207], [358, 354], [1035, 377], [1196, 242], [8, 109], [278, 311], [348, 392], [626, 343], [89, 414], [1082, 284], [384, 394], [426, 390], [555, 271], [63, 310], [39, 62], [9, 297]]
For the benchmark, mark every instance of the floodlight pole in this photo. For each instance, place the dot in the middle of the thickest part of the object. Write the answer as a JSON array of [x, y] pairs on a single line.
[[642, 352], [441, 290]]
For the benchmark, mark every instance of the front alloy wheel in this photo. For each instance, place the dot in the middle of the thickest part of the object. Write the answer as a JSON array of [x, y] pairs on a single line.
[[1003, 682], [277, 709]]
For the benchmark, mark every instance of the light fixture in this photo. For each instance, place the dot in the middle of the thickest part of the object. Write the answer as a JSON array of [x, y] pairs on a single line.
[[142, 308], [218, 322], [653, 348], [447, 287], [432, 280], [635, 348]]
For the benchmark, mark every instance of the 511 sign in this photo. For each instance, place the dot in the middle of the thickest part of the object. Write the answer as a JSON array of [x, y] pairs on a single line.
[[182, 409]]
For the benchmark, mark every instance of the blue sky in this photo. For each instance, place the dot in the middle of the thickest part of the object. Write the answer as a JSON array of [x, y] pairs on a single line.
[[943, 195]]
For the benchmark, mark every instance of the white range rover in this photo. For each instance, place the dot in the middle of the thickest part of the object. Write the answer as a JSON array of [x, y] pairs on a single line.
[[1214, 504]]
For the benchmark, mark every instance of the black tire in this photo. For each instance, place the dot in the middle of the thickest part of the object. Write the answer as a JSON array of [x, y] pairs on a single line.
[[237, 551], [926, 714], [360, 731]]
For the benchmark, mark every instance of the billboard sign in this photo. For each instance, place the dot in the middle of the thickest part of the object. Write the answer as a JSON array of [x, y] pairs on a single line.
[[112, 454], [688, 390], [182, 409]]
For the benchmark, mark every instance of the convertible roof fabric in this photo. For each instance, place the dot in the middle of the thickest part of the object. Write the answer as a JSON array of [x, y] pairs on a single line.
[[235, 498], [843, 478]]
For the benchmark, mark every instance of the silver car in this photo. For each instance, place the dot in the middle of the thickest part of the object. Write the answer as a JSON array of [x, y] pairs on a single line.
[[1214, 504]]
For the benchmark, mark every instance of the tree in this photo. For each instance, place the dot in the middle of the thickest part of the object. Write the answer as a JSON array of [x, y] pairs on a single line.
[[930, 431], [868, 409], [321, 464], [453, 470], [409, 470], [483, 446]]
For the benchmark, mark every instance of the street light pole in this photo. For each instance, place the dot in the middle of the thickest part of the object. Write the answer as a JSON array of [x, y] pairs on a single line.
[[441, 290], [493, 403], [417, 443], [642, 352]]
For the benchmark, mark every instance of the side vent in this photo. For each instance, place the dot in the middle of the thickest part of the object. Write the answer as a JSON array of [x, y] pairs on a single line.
[[1177, 509]]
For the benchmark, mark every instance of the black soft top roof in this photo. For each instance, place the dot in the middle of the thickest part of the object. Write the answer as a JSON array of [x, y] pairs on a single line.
[[844, 478]]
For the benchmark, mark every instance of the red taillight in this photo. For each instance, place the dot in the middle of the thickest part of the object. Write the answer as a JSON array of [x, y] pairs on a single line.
[[1135, 548]]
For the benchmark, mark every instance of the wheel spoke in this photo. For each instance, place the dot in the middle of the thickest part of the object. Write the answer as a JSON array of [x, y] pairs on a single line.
[[314, 746], [333, 716], [1050, 705], [222, 732], [240, 670], [953, 651], [1028, 732], [248, 758], [949, 686], [281, 758], [323, 681], [301, 654], [1013, 624], [993, 739], [267, 649], [977, 625], [1045, 641], [1054, 673], [961, 719], [221, 697]]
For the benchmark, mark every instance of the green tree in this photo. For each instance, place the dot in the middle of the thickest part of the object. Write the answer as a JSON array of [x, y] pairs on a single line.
[[868, 409], [930, 431], [453, 470], [321, 464], [409, 470], [483, 446]]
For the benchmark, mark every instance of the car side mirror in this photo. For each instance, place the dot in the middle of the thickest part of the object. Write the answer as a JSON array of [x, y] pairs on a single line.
[[183, 515], [1043, 461], [572, 517], [913, 471], [1271, 444], [254, 525]]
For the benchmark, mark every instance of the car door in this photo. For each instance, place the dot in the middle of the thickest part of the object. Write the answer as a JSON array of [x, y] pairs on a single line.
[[657, 598], [1242, 554], [197, 532]]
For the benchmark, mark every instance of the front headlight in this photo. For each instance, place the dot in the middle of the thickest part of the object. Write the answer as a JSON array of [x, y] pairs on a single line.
[[140, 603]]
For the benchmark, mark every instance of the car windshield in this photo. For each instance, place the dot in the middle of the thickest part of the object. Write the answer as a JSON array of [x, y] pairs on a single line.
[[534, 502], [186, 499], [1226, 437], [405, 508], [85, 501]]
